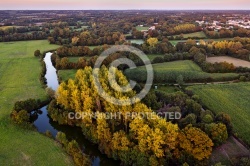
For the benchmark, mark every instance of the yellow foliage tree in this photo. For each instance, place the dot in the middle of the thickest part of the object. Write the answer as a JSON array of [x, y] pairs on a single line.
[[152, 41], [195, 142]]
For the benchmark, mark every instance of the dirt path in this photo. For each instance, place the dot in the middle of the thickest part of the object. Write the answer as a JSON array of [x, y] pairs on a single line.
[[235, 61], [232, 148]]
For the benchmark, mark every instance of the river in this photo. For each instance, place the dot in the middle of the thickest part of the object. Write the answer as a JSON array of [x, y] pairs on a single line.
[[44, 123]]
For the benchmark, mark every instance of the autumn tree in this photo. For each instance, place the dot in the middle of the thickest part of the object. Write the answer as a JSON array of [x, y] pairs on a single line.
[[37, 53], [217, 132], [152, 41], [194, 142], [75, 40]]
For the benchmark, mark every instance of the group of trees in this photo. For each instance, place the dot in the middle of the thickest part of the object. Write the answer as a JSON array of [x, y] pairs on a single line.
[[73, 149], [22, 111], [227, 33], [185, 28], [149, 140], [77, 51], [191, 110]]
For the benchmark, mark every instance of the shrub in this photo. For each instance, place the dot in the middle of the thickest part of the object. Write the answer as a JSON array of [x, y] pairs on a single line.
[[73, 150], [207, 119], [20, 117], [225, 119], [217, 132], [37, 53], [189, 119], [243, 78], [50, 92], [48, 134], [158, 60], [28, 105]]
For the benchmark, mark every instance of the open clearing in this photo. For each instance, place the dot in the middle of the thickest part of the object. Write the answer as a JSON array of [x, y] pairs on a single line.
[[168, 72], [235, 61], [229, 98], [139, 28], [165, 73], [174, 42], [19, 80], [64, 75], [193, 35]]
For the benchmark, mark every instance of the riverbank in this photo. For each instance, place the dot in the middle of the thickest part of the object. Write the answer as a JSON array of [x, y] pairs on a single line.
[[19, 80], [44, 123]]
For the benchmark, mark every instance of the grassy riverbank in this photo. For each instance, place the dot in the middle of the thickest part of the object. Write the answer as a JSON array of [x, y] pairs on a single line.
[[19, 80]]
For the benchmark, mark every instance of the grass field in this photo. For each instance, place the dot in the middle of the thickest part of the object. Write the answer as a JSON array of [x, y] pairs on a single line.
[[19, 80], [195, 34], [229, 98], [6, 27], [139, 28], [174, 42], [66, 74], [136, 41], [235, 61], [79, 29], [152, 56], [169, 71]]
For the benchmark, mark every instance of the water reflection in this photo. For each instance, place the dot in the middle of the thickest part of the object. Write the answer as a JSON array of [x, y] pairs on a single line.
[[43, 123]]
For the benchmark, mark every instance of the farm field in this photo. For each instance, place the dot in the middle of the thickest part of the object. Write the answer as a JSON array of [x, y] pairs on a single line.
[[152, 56], [235, 61], [79, 29], [19, 80], [195, 34], [6, 27], [174, 42], [136, 41], [229, 98], [139, 28], [169, 71]]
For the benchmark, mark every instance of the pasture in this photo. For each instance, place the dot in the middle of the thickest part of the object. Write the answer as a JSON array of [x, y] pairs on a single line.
[[174, 42], [169, 71], [236, 62], [64, 75], [194, 35], [139, 28], [19, 80], [232, 99], [136, 41]]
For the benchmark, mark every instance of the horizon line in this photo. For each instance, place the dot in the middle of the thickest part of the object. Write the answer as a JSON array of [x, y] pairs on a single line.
[[126, 9]]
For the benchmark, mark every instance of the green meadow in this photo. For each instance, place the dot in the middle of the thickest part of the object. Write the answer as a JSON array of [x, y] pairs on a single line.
[[232, 99], [19, 80]]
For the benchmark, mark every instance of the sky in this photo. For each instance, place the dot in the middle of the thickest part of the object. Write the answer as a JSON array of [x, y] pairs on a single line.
[[124, 4]]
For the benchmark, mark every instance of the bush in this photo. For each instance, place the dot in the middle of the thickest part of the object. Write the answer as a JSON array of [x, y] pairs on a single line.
[[37, 53], [50, 92], [48, 134], [225, 119], [28, 105], [73, 150], [158, 60], [20, 117], [189, 119], [243, 78], [207, 119], [217, 132]]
